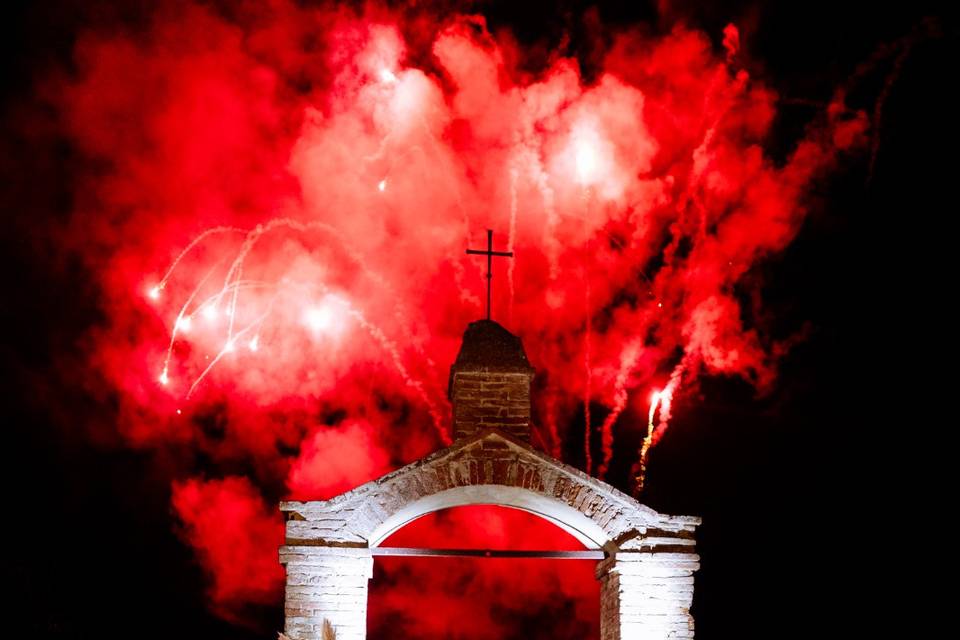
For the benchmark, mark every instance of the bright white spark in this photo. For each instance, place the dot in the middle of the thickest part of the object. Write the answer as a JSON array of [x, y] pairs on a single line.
[[319, 318], [387, 76]]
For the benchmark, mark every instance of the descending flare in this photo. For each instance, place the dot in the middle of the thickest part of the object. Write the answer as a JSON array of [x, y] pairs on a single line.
[[655, 399], [662, 400]]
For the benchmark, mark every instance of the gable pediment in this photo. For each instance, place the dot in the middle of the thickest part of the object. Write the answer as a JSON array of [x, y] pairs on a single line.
[[489, 467]]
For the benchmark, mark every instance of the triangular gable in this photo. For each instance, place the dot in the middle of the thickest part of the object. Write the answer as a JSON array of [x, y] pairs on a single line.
[[488, 467]]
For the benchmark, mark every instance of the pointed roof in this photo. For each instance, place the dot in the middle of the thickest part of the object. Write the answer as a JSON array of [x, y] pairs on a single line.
[[487, 346]]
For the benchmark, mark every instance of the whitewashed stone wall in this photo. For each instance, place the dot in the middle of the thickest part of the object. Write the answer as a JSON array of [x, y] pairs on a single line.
[[646, 595], [326, 584]]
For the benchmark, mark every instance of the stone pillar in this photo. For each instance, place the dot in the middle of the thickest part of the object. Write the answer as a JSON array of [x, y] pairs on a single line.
[[326, 585], [645, 595]]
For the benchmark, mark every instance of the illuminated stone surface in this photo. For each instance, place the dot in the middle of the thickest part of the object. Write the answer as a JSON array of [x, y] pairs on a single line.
[[646, 580]]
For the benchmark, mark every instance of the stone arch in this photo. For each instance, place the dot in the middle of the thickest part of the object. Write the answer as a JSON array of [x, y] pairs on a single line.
[[646, 578], [549, 508]]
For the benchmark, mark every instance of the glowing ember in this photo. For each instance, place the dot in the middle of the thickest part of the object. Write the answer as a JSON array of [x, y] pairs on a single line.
[[586, 161], [387, 76], [654, 402], [320, 319]]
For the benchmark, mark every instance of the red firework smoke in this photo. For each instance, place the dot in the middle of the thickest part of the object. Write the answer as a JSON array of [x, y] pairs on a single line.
[[277, 205]]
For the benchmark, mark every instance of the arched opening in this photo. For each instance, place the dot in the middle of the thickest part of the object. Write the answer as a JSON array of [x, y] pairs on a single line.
[[574, 522], [483, 598], [644, 560]]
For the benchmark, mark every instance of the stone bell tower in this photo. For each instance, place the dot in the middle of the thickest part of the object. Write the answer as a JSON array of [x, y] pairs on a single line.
[[490, 383]]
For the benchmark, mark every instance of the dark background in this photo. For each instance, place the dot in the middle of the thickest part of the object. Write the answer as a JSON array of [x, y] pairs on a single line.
[[814, 498]]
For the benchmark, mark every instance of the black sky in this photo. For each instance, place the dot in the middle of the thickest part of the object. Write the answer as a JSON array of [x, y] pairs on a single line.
[[805, 493]]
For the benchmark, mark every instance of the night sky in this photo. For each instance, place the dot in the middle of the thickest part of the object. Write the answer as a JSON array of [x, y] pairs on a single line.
[[799, 487]]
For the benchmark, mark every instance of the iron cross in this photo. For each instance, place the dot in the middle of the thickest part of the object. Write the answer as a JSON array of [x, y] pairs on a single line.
[[490, 253]]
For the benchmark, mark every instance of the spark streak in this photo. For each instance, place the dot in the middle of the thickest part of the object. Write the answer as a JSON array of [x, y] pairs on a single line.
[[663, 400], [628, 361]]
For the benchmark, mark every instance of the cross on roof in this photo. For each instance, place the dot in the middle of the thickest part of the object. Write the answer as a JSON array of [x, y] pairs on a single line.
[[490, 253]]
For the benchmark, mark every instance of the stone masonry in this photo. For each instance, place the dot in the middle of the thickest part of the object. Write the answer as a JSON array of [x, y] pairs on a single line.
[[646, 578], [490, 383], [646, 595], [326, 584]]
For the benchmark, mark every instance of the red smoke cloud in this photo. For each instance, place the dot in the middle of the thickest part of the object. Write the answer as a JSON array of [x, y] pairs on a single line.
[[236, 536], [334, 165], [493, 594], [332, 461]]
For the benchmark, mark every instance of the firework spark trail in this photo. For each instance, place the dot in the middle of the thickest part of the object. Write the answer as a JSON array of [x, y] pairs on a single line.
[[178, 324], [248, 244], [196, 241], [438, 150], [254, 235], [647, 440], [208, 303], [255, 341], [588, 375], [512, 237], [664, 400], [541, 180], [459, 271], [551, 421], [588, 331], [228, 347], [232, 286], [380, 152], [390, 347], [628, 361], [891, 79], [232, 311]]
